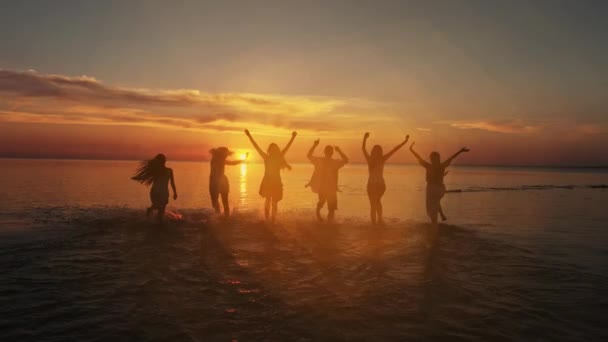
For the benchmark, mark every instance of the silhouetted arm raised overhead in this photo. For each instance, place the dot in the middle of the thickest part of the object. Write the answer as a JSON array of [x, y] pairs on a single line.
[[420, 160], [312, 150], [255, 145], [172, 179], [396, 148], [286, 148], [364, 146], [342, 155], [449, 160]]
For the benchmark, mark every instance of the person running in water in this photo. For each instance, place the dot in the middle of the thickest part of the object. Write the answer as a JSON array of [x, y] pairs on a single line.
[[271, 187], [375, 182], [435, 189], [218, 182], [154, 172], [325, 178]]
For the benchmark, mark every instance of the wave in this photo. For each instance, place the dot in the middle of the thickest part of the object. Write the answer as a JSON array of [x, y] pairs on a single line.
[[529, 187]]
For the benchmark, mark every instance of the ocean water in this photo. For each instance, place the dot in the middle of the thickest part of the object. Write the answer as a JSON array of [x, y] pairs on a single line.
[[523, 255]]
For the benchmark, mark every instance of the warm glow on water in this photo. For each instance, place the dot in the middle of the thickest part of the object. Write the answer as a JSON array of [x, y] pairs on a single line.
[[74, 236]]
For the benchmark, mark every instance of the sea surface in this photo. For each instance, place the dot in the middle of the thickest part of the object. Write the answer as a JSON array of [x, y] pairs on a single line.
[[523, 256]]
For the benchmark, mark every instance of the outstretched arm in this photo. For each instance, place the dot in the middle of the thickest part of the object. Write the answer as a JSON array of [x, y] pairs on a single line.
[[234, 162], [364, 146], [342, 155], [255, 145], [396, 148], [172, 179], [420, 160], [449, 160], [312, 150], [286, 148]]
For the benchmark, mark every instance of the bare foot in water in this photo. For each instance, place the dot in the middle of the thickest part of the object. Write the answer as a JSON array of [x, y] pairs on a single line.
[[319, 217]]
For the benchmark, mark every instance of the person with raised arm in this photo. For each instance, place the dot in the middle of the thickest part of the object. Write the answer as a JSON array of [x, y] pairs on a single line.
[[325, 178], [218, 182], [271, 187], [154, 172], [435, 189], [375, 182]]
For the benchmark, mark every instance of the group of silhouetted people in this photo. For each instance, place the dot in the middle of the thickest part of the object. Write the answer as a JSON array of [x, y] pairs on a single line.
[[324, 180]]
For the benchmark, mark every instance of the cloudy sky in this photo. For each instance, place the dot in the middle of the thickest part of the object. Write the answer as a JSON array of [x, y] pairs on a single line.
[[519, 82]]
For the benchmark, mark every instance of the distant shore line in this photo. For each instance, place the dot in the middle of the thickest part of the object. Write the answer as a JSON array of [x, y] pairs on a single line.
[[303, 162]]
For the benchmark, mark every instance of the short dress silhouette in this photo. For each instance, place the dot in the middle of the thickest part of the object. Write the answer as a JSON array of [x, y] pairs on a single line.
[[272, 186]]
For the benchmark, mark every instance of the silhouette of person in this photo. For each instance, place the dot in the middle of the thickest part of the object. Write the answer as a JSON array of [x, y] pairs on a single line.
[[154, 172], [435, 189], [271, 187], [325, 178], [375, 182], [218, 182]]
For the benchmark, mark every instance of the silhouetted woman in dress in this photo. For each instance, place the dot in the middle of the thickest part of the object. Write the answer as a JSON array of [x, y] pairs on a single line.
[[272, 186], [435, 189], [218, 182], [154, 172], [375, 183]]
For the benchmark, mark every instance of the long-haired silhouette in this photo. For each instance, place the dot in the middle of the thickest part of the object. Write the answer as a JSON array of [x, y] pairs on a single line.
[[435, 189], [271, 187], [154, 172], [375, 182], [218, 182]]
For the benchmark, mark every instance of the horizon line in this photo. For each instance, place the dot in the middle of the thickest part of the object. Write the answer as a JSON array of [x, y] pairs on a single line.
[[355, 163]]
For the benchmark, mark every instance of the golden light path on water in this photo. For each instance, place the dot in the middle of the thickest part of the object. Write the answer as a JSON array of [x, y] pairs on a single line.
[[243, 182]]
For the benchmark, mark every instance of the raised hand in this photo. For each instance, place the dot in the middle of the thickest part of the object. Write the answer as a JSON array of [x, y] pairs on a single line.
[[337, 148], [464, 149], [366, 135], [316, 142], [293, 134], [407, 137], [247, 133]]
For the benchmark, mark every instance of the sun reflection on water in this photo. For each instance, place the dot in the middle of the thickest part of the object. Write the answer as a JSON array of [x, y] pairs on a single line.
[[243, 186]]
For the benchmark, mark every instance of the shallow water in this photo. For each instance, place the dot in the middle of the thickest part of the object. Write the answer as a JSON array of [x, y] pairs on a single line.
[[524, 257]]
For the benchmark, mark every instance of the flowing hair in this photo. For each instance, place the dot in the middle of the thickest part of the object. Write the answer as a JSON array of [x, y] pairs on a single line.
[[377, 156], [220, 153], [149, 170], [274, 153]]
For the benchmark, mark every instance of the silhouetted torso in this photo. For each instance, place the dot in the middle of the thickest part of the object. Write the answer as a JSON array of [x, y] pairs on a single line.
[[272, 169], [160, 185], [376, 171], [217, 169], [435, 174], [328, 174]]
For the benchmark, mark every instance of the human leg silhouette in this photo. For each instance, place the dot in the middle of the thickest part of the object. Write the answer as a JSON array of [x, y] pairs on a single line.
[[226, 204], [372, 208], [275, 204], [320, 204], [379, 210], [214, 201], [267, 208], [161, 213]]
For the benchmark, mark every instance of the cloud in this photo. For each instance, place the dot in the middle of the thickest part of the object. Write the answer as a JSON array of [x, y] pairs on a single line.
[[499, 126], [30, 96]]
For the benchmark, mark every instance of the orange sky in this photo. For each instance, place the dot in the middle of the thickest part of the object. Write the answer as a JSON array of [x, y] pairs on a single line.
[[520, 83], [44, 115]]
